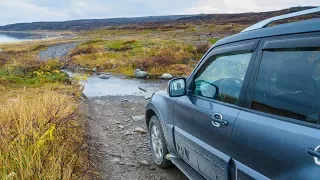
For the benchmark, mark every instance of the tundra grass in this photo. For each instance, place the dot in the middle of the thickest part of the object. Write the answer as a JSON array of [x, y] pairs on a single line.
[[41, 128], [123, 56], [41, 134]]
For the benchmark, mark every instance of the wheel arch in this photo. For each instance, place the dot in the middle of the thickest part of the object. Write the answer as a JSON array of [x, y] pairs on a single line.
[[149, 114], [151, 110]]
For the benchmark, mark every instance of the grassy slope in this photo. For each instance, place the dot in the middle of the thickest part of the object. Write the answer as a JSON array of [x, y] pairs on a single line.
[[41, 130], [162, 49]]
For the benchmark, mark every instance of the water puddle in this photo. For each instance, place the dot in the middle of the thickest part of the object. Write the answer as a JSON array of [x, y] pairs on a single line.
[[120, 86]]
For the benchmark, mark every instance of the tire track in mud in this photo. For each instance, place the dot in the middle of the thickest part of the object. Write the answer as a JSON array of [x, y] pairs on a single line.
[[116, 151]]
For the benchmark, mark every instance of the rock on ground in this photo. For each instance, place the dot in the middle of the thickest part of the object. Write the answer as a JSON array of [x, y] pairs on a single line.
[[140, 74], [119, 153], [144, 162], [104, 76], [166, 76], [140, 130], [115, 160], [138, 118]]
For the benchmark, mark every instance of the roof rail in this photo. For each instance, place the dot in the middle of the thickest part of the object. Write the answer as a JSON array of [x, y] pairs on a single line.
[[266, 22]]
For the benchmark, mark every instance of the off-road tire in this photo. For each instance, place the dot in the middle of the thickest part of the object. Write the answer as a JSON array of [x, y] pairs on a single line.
[[162, 162]]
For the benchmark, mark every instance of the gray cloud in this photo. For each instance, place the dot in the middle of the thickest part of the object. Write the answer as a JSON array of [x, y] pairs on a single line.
[[14, 11]]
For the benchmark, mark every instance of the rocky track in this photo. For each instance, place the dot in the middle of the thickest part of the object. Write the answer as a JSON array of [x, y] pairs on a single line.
[[118, 145], [57, 51]]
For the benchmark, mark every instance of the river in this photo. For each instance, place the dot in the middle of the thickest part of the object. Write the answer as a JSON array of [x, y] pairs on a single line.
[[7, 37]]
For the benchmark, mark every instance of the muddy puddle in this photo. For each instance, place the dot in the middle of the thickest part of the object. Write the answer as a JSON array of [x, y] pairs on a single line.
[[119, 86]]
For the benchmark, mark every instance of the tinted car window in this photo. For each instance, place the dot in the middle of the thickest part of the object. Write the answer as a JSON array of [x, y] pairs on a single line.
[[221, 77], [288, 84]]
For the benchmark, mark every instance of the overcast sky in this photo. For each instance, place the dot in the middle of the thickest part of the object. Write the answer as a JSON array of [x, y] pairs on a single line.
[[16, 11]]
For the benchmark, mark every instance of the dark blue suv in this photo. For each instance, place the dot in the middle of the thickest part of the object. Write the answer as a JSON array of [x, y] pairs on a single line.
[[249, 110]]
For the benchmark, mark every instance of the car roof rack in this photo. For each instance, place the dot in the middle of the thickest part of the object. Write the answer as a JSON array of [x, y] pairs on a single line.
[[264, 23]]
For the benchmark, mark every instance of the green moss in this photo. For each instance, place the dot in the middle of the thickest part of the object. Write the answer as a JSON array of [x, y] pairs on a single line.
[[94, 41], [19, 76], [213, 40]]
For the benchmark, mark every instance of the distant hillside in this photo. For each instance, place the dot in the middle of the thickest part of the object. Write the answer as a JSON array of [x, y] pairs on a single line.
[[243, 18], [88, 24]]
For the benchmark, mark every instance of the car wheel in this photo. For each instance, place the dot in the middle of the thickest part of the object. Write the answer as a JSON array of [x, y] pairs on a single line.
[[158, 144]]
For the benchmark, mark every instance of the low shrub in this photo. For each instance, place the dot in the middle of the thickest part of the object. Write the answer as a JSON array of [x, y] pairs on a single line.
[[93, 41], [19, 71], [38, 47], [48, 77], [26, 59], [180, 69], [123, 56], [50, 65], [129, 42], [202, 48], [86, 50], [144, 63], [213, 40], [125, 47], [45, 72]]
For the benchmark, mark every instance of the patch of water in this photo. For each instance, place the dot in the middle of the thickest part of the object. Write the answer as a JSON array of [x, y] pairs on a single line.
[[6, 37], [120, 86]]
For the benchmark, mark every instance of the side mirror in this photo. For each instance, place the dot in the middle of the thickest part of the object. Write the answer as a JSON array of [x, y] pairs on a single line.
[[206, 89], [177, 87]]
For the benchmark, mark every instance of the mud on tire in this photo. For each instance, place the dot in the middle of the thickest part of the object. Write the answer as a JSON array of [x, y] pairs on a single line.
[[158, 144]]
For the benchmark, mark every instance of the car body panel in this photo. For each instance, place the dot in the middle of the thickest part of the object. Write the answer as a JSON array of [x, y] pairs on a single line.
[[269, 144], [198, 142], [194, 131], [208, 161], [162, 105], [254, 145], [275, 148]]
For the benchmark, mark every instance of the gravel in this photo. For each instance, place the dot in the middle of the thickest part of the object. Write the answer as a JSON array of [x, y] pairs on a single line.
[[57, 51], [116, 152]]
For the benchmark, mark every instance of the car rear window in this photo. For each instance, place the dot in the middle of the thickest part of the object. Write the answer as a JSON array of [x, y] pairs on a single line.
[[288, 84]]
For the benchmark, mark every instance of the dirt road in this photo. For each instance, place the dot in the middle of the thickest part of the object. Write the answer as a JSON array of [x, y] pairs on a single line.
[[116, 151], [57, 51]]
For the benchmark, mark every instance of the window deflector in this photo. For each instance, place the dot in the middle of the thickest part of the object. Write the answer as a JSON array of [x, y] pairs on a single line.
[[309, 42], [246, 46]]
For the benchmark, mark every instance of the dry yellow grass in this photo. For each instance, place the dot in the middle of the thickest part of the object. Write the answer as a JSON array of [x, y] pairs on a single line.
[[41, 136]]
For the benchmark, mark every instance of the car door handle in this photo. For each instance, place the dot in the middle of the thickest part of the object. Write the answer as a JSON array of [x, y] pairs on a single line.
[[315, 153], [217, 120]]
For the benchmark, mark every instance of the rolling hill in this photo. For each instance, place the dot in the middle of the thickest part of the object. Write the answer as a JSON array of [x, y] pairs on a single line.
[[89, 24]]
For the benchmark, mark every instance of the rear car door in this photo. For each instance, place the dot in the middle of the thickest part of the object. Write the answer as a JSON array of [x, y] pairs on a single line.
[[203, 119], [278, 135]]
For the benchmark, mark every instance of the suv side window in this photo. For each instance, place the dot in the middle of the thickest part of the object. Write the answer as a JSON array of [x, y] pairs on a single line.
[[221, 77], [288, 84]]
